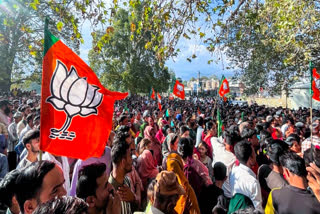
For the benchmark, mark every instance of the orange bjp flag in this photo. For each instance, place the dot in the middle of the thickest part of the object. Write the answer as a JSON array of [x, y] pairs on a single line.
[[76, 110], [315, 84], [178, 90], [224, 87], [159, 102]]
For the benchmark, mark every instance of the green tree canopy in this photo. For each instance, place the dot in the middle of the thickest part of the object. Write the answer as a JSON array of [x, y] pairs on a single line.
[[124, 61]]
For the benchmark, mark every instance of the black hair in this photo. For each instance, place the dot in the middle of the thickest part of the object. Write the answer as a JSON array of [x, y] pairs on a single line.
[[185, 147], [7, 187], [204, 144], [65, 204], [308, 157], [87, 179], [30, 118], [266, 125], [292, 137], [122, 118], [200, 121], [123, 132], [209, 125], [232, 135], [30, 135], [183, 129], [243, 151], [247, 133], [164, 130], [294, 163], [119, 151], [219, 171], [29, 181], [275, 149], [3, 103]]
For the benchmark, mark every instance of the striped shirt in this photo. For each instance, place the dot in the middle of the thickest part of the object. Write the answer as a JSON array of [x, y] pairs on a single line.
[[306, 144], [125, 206]]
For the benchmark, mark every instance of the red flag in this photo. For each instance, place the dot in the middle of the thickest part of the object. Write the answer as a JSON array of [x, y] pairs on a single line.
[[76, 110], [159, 101], [178, 90], [153, 94], [224, 87], [159, 97], [315, 85], [171, 96]]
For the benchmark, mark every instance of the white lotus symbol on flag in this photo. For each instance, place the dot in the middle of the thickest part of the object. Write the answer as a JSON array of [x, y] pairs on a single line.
[[179, 87], [74, 96], [225, 87], [317, 81]]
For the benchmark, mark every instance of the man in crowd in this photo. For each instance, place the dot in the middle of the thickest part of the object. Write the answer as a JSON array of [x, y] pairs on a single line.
[[7, 192], [223, 152], [293, 198], [242, 178], [31, 142], [4, 111], [315, 128], [28, 127], [38, 183], [94, 188], [122, 164], [25, 110], [13, 140]]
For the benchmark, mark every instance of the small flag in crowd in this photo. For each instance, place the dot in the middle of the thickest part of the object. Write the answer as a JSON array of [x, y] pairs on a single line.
[[178, 90], [76, 110], [152, 94], [171, 97], [315, 84], [159, 102], [224, 87], [167, 113]]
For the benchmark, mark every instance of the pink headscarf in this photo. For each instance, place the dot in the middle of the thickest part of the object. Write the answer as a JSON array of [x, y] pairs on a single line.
[[147, 133], [147, 167]]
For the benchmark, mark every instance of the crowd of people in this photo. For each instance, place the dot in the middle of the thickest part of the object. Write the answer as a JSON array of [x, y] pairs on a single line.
[[199, 155]]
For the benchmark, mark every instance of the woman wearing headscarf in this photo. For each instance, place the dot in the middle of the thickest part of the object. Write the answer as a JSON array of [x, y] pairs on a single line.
[[155, 147], [147, 169], [146, 164], [187, 203], [196, 172]]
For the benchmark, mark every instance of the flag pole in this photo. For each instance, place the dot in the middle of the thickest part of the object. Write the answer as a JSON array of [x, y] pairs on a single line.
[[311, 94]]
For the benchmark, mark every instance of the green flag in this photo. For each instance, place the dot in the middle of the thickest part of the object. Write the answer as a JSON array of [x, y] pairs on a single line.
[[219, 121], [167, 113]]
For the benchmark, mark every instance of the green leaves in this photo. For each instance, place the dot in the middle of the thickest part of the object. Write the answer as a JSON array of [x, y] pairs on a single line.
[[59, 26]]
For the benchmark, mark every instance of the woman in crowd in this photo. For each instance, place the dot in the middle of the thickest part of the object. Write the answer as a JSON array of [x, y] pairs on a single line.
[[207, 161]]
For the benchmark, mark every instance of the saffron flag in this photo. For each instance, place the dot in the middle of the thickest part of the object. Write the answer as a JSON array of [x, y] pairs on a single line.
[[178, 90], [315, 85], [152, 94], [159, 102], [224, 86], [171, 96], [76, 110]]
